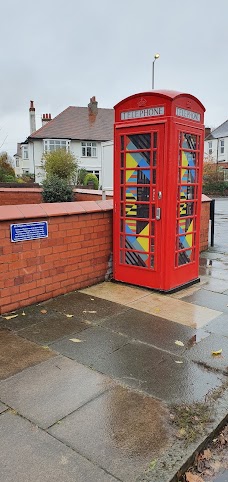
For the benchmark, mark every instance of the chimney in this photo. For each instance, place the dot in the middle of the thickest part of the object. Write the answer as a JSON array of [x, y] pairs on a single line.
[[92, 106], [207, 132], [45, 119], [32, 117]]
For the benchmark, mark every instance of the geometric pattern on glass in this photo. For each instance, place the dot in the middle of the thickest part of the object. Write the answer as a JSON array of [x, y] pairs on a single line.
[[187, 192]]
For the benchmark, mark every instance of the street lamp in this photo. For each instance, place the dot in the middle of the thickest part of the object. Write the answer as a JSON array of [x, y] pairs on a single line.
[[155, 58]]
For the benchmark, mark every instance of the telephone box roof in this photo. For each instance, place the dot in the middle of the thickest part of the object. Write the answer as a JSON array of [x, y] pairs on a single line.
[[168, 94]]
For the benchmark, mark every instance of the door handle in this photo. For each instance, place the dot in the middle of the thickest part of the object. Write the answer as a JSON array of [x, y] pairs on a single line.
[[158, 214]]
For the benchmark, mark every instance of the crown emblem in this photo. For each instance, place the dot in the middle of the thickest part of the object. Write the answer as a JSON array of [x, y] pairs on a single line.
[[142, 102], [188, 103]]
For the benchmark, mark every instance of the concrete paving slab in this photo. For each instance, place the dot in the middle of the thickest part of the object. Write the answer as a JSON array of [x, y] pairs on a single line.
[[51, 330], [218, 325], [121, 431], [28, 454], [202, 352], [84, 306], [32, 315], [3, 407], [216, 285], [48, 392], [116, 292], [17, 354], [203, 298], [176, 310], [156, 372], [150, 329], [160, 305], [93, 343]]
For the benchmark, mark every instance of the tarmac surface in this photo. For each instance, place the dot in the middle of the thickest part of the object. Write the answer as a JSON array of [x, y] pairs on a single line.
[[89, 379]]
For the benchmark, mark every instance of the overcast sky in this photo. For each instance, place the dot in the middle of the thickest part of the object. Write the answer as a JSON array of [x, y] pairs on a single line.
[[62, 52]]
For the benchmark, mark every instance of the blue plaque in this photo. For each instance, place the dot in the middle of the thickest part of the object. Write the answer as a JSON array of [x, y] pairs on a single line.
[[28, 231]]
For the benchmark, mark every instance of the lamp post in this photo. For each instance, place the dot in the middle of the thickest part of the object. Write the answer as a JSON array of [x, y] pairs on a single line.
[[155, 58]]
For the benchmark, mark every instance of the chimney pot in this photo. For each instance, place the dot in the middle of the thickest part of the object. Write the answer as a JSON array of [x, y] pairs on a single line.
[[31, 105]]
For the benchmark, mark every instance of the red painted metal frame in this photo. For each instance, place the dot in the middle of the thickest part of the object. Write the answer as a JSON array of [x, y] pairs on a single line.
[[166, 276]]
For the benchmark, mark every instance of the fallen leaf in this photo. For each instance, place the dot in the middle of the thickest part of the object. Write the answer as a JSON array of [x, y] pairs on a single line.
[[76, 340], [152, 464], [43, 311], [192, 477], [69, 316], [178, 361], [10, 317], [85, 311], [179, 343], [206, 454], [217, 352], [45, 347], [157, 310], [181, 433], [92, 299]]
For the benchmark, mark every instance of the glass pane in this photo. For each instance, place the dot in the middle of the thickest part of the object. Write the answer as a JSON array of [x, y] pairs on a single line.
[[121, 177], [122, 241], [122, 226], [138, 210], [152, 229], [154, 176], [186, 209], [185, 257], [155, 139], [94, 152], [152, 261], [187, 176], [187, 159], [136, 259], [138, 141], [122, 160], [121, 194], [83, 151], [143, 193], [122, 143], [88, 151], [189, 141], [122, 256], [152, 244], [154, 158]]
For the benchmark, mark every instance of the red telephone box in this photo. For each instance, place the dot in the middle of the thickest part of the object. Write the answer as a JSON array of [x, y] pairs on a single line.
[[158, 146]]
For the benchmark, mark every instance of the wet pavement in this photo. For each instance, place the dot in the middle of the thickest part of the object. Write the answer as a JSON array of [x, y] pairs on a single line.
[[89, 378]]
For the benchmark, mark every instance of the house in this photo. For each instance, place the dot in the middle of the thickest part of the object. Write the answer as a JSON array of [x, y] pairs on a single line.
[[18, 165], [78, 129], [216, 144]]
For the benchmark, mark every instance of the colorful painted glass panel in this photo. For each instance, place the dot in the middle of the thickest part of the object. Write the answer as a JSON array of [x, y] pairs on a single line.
[[187, 200]]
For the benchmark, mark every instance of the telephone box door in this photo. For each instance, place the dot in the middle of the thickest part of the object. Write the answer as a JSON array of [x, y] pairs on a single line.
[[138, 204]]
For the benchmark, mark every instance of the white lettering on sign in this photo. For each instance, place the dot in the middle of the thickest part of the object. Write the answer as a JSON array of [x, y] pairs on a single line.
[[187, 114], [139, 114]]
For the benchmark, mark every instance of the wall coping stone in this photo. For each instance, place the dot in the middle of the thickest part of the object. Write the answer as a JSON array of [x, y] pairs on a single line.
[[46, 210]]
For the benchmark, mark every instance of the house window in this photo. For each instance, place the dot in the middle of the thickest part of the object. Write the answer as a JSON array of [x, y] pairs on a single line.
[[55, 144], [89, 149], [210, 148], [17, 162], [25, 152], [222, 146]]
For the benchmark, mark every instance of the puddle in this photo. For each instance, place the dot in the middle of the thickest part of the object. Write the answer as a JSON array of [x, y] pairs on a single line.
[[199, 336]]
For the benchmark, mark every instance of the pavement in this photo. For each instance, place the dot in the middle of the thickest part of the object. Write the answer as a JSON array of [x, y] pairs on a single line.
[[90, 380]]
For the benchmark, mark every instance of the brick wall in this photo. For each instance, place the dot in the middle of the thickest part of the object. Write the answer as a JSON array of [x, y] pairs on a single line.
[[74, 255], [13, 196], [204, 222]]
